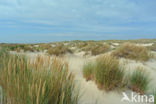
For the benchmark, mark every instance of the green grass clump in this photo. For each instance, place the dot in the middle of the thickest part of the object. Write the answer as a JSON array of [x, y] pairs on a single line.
[[132, 51], [106, 72], [139, 81], [39, 81], [88, 71]]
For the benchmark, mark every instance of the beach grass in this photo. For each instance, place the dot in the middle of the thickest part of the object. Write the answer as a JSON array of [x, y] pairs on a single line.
[[59, 50], [88, 70], [99, 49], [95, 48], [139, 81], [132, 51], [37, 81], [106, 72]]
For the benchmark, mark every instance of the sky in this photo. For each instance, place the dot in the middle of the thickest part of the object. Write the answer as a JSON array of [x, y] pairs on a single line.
[[33, 21]]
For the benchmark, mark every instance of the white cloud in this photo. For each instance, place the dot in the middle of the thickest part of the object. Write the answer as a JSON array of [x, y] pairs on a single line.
[[99, 15]]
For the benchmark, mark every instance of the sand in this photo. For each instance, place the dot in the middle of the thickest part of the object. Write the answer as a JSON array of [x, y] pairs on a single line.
[[145, 45], [116, 44], [90, 93]]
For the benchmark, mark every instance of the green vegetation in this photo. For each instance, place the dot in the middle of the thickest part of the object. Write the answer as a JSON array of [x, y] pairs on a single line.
[[100, 49], [153, 47], [89, 47], [139, 81], [88, 71], [95, 48], [44, 46], [154, 93], [39, 81], [58, 50], [132, 51], [81, 44], [19, 47], [107, 73]]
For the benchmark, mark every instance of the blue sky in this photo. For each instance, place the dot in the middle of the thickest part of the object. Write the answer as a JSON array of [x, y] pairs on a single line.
[[28, 21]]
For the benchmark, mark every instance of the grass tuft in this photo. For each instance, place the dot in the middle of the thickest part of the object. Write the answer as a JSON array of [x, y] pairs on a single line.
[[88, 71], [38, 81], [132, 51], [139, 81], [106, 72], [59, 50], [100, 49], [95, 48]]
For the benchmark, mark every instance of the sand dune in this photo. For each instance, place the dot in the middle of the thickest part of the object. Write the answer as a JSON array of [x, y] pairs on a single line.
[[89, 91], [91, 94]]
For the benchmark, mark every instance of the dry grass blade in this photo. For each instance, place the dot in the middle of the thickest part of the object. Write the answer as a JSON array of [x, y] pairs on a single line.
[[38, 81]]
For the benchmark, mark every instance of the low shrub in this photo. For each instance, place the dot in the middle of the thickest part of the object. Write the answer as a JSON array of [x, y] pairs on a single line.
[[132, 51]]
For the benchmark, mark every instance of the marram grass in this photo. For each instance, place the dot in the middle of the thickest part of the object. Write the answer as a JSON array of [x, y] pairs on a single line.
[[133, 51], [38, 81], [109, 74], [58, 50], [88, 70], [106, 72], [139, 81]]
